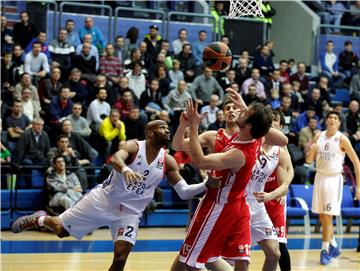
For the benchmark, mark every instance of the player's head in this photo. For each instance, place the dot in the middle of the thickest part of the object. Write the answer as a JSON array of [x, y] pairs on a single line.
[[231, 112], [157, 131], [333, 120], [256, 119], [279, 120]]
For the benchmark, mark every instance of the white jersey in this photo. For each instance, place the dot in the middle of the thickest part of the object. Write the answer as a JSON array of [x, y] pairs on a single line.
[[329, 157], [264, 166], [133, 197]]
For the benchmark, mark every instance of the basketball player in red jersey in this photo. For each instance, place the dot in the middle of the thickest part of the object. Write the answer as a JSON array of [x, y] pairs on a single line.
[[221, 225]]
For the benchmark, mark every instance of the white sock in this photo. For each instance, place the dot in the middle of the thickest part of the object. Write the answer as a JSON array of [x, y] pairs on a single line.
[[325, 246], [41, 221], [333, 242]]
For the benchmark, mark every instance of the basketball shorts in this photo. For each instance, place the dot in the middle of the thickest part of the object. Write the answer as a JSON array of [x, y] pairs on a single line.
[[261, 227], [327, 194], [217, 230], [93, 211], [277, 214]]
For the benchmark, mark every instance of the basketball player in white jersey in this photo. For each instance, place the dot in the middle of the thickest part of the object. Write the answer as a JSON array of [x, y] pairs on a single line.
[[120, 200], [329, 149]]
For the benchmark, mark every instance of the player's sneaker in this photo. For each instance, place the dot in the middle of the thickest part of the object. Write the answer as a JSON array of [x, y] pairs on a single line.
[[324, 257], [334, 251], [27, 222]]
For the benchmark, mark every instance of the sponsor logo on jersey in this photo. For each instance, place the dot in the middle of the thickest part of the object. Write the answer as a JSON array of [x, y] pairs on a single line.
[[120, 231], [160, 163]]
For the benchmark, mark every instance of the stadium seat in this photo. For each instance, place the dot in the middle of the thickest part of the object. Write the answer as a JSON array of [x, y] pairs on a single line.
[[348, 208], [5, 209], [341, 96], [165, 218], [37, 179]]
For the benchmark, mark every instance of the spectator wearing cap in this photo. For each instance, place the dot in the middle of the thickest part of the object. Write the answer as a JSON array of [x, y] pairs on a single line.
[[97, 36], [153, 42]]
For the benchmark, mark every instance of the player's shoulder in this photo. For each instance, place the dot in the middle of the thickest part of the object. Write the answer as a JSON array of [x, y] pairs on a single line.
[[131, 146]]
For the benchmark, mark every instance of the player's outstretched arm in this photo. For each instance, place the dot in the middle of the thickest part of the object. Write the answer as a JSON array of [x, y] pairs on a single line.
[[346, 144]]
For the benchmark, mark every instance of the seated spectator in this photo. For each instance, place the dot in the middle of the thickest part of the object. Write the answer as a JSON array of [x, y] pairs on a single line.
[[98, 110], [198, 48], [135, 56], [33, 145], [134, 126], [16, 124], [329, 66], [152, 40], [204, 86], [36, 63], [120, 52], [72, 38], [229, 79], [304, 118], [8, 73], [263, 62], [78, 90], [301, 77], [6, 36], [252, 95], [97, 37], [338, 108], [93, 50], [209, 112], [180, 41], [111, 66], [284, 74], [42, 39], [49, 88], [187, 63], [79, 123], [352, 125], [274, 101], [296, 85], [219, 123], [122, 87], [18, 57], [112, 129], [26, 83], [254, 80], [348, 60], [61, 52], [86, 63], [124, 104], [325, 89], [175, 102], [243, 72], [151, 100], [307, 135], [286, 90], [30, 108], [355, 84], [164, 116], [175, 74], [333, 15], [289, 116], [355, 13], [169, 56], [60, 105], [273, 82], [314, 101], [137, 80], [5, 154], [24, 31], [131, 39], [164, 80], [64, 187]]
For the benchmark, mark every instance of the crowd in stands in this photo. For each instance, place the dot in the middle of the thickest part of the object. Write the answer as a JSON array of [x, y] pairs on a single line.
[[81, 98]]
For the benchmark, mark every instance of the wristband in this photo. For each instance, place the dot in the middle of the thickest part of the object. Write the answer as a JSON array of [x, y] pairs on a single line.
[[125, 169]]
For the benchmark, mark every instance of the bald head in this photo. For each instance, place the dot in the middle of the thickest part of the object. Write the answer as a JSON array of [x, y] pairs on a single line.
[[153, 125]]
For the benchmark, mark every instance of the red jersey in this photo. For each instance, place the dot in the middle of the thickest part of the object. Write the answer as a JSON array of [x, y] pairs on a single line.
[[235, 183], [272, 183], [221, 140]]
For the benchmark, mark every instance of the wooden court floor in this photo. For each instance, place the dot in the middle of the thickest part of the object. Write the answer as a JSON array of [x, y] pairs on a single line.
[[302, 259]]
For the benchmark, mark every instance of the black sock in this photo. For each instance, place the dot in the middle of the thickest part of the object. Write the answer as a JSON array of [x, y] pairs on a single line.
[[284, 262]]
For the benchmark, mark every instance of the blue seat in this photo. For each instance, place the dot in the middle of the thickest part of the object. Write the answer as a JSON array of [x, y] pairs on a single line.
[[168, 217], [348, 208], [29, 199], [341, 95], [37, 179], [5, 209]]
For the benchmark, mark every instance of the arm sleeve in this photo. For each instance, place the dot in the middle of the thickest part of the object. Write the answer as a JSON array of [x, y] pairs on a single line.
[[186, 191]]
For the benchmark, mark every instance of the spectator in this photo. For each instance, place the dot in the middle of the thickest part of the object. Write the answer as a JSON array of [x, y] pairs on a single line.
[[243, 72], [333, 15], [323, 85], [26, 83], [163, 115], [353, 125], [254, 80], [355, 13], [304, 117], [60, 105], [338, 108], [101, 82], [112, 129], [124, 104], [86, 63], [97, 37], [6, 36], [263, 62], [169, 56], [301, 77], [175, 74], [72, 36], [78, 122], [348, 60], [175, 102], [111, 66], [329, 66], [287, 111], [284, 74], [16, 124], [98, 110], [120, 52], [49, 88], [286, 90], [8, 72], [219, 123], [229, 79], [217, 11], [307, 135], [24, 31], [275, 100], [204, 86], [93, 50], [252, 95], [153, 41], [151, 100], [187, 62], [33, 145], [64, 187], [198, 48], [36, 63], [134, 126], [180, 41], [78, 90], [122, 87], [209, 111], [355, 85], [61, 52], [273, 82], [18, 57], [137, 79], [41, 38], [30, 108], [164, 81], [132, 36], [135, 56], [315, 102], [5, 154]]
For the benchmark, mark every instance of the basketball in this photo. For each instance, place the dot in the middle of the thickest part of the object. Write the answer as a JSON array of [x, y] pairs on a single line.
[[217, 56]]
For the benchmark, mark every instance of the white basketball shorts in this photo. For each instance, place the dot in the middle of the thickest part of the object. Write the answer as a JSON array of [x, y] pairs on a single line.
[[261, 227]]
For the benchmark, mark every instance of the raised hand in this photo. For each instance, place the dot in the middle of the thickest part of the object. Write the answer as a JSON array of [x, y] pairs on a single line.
[[194, 117], [184, 120]]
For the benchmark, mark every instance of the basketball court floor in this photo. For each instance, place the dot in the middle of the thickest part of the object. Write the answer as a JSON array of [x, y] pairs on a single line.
[[156, 248]]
